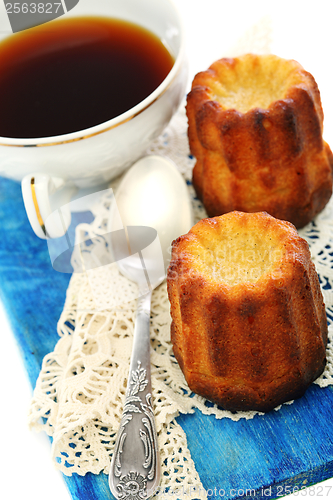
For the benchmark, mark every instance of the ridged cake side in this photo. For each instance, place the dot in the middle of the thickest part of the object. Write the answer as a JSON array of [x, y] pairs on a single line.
[[246, 344], [255, 128]]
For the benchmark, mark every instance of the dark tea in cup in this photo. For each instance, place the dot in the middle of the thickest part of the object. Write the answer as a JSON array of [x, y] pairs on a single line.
[[75, 73]]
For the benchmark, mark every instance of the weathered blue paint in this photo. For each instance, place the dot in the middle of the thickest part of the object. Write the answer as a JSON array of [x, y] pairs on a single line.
[[263, 457]]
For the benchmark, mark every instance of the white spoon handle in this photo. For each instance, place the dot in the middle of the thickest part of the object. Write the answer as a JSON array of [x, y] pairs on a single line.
[[135, 462]]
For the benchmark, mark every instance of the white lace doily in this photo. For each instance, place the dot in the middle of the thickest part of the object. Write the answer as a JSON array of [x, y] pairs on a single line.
[[79, 393]]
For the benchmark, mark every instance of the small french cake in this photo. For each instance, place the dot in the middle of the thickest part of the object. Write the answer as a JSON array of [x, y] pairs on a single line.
[[249, 327], [255, 126]]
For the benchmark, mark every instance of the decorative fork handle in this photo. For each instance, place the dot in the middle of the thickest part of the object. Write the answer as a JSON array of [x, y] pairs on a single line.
[[135, 466]]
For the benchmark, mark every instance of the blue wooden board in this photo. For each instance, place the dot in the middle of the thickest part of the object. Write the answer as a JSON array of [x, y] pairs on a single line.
[[265, 457]]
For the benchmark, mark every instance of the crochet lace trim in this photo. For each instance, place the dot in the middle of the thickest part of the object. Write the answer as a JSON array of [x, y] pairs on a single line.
[[81, 387]]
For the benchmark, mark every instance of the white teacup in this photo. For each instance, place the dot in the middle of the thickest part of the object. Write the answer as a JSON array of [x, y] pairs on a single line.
[[53, 168]]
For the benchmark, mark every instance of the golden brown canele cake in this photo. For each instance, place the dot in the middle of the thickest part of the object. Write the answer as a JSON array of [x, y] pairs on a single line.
[[249, 327], [255, 126]]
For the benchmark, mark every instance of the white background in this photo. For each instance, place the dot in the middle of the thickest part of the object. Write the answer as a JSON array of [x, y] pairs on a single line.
[[215, 28]]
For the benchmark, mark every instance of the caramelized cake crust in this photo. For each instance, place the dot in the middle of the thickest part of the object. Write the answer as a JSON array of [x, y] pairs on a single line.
[[249, 326], [255, 126]]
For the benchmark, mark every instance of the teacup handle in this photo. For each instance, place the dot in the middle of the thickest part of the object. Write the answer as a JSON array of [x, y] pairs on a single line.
[[46, 201]]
